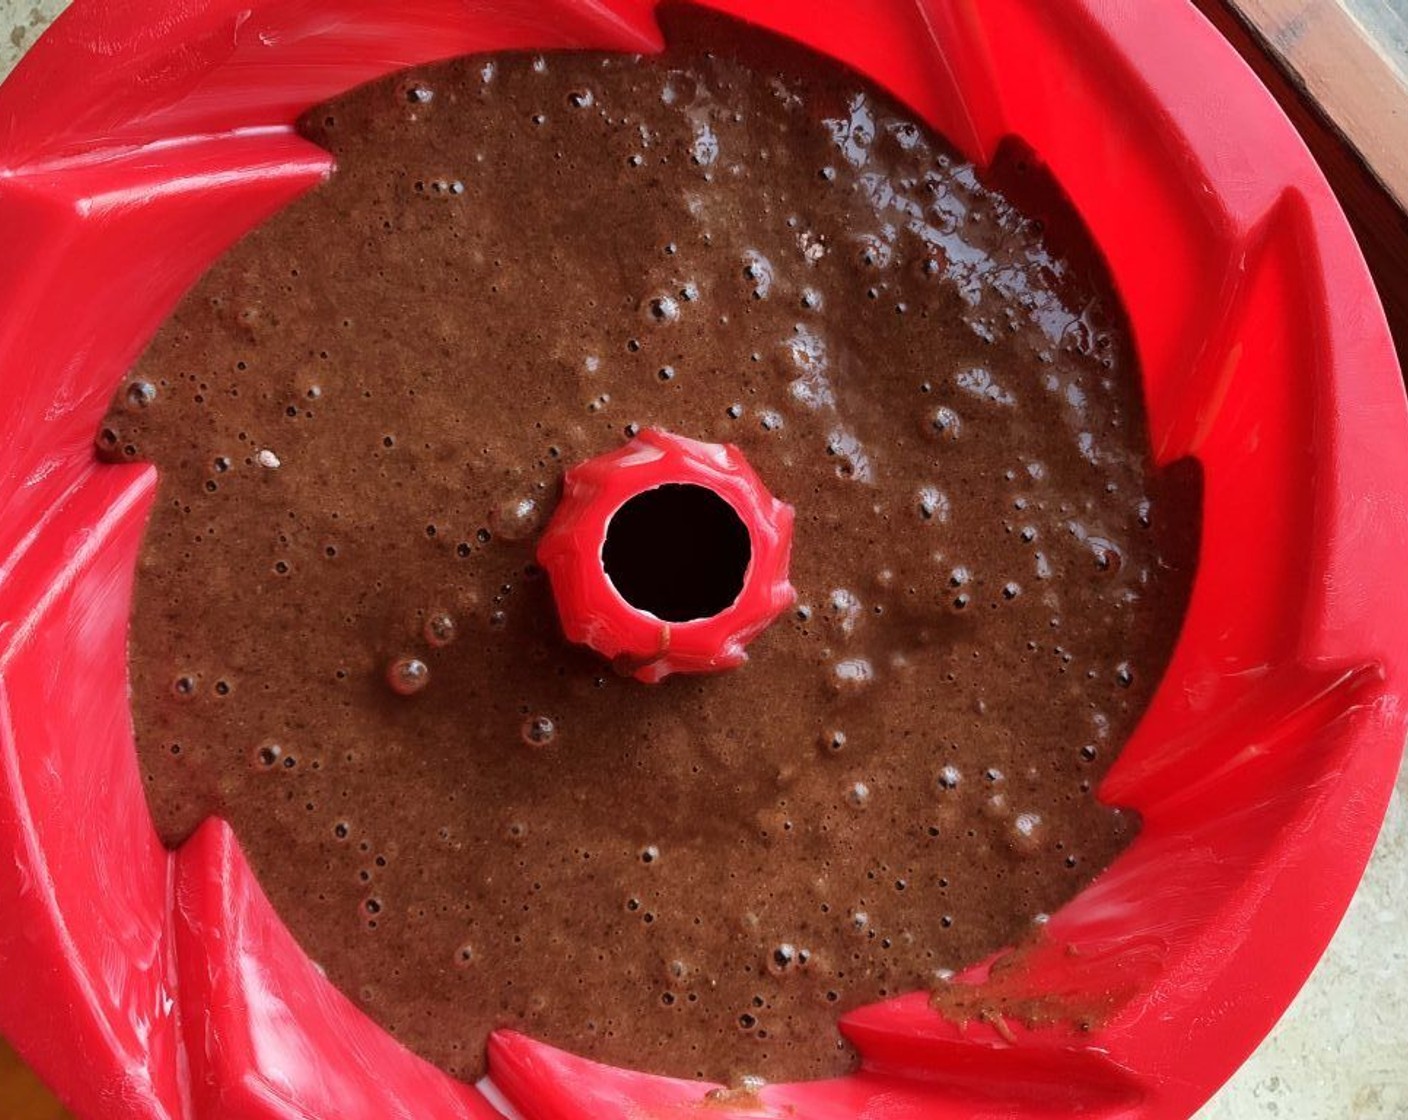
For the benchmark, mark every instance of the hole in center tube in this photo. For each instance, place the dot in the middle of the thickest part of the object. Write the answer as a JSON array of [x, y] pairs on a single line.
[[678, 551]]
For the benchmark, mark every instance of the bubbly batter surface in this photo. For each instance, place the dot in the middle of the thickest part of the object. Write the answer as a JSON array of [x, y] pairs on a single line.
[[361, 416]]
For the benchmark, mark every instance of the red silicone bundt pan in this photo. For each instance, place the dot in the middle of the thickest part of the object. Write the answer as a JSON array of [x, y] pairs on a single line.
[[139, 139]]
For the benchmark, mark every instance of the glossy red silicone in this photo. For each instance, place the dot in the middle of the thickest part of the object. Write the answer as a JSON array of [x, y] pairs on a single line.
[[139, 139], [591, 609]]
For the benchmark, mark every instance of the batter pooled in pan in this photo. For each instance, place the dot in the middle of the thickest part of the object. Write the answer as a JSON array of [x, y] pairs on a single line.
[[361, 417]]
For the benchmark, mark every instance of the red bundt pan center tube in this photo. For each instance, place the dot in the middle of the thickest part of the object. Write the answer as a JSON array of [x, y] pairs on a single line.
[[139, 140], [593, 609]]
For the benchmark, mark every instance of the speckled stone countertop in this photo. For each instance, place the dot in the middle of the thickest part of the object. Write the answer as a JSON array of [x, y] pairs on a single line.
[[1340, 1053]]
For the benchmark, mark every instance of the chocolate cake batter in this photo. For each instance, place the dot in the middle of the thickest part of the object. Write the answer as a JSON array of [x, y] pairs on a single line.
[[341, 642]]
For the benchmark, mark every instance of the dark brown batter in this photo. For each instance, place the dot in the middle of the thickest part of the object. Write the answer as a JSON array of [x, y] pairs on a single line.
[[361, 417]]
